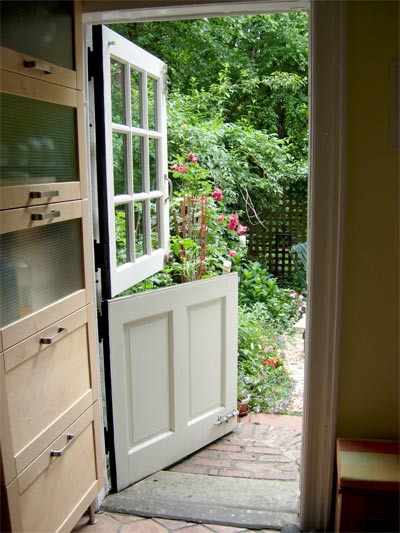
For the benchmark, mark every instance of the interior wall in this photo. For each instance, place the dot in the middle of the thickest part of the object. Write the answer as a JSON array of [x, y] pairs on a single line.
[[368, 396]]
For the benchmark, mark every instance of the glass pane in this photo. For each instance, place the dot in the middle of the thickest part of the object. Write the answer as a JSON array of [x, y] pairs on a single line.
[[38, 141], [155, 224], [119, 163], [117, 92], [122, 234], [139, 230], [136, 98], [151, 103], [137, 151], [36, 271], [41, 29], [153, 161]]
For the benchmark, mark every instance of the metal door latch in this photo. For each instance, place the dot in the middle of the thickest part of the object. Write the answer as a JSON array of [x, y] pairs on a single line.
[[226, 418]]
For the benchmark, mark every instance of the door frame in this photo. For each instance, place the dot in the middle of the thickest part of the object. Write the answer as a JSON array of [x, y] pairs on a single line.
[[325, 220]]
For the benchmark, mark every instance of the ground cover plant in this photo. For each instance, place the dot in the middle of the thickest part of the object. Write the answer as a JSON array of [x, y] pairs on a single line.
[[237, 131]]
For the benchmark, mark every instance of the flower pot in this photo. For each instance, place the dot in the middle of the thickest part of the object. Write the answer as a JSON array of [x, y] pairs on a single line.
[[243, 407]]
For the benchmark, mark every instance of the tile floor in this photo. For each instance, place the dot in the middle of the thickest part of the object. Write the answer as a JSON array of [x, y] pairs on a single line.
[[121, 523]]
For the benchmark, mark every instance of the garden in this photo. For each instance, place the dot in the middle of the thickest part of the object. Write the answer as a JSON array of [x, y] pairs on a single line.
[[237, 135]]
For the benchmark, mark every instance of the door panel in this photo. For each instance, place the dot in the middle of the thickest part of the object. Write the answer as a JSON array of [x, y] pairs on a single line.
[[173, 372]]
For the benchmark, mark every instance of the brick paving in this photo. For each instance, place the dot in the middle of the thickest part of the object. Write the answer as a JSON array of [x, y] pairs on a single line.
[[262, 447]]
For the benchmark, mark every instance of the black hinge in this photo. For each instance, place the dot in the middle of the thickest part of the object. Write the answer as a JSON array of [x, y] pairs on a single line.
[[101, 327], [98, 255], [90, 64], [107, 444]]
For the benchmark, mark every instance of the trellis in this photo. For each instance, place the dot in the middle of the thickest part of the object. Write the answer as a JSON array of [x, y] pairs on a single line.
[[281, 226]]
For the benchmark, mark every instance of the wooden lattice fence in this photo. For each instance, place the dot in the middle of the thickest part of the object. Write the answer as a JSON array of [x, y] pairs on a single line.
[[281, 226]]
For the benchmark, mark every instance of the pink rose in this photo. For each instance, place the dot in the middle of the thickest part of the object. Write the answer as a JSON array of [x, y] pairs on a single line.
[[177, 168], [220, 218], [217, 194], [194, 200], [232, 253], [233, 221], [193, 158], [242, 229]]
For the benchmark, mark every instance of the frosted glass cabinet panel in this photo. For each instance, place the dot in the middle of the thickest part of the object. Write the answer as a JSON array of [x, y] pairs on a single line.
[[39, 266], [38, 142], [41, 28]]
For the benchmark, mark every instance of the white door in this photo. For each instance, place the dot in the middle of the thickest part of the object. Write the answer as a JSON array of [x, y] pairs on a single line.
[[172, 353]]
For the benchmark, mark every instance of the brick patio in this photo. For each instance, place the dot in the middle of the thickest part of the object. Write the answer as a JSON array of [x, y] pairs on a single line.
[[263, 447]]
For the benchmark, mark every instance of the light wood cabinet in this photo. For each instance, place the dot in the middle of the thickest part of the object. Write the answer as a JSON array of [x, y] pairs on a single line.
[[51, 462]]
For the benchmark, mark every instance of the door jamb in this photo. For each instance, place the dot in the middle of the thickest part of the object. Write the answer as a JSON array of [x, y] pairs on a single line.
[[325, 219]]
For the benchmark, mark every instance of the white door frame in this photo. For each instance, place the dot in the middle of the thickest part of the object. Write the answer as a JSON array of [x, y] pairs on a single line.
[[325, 216]]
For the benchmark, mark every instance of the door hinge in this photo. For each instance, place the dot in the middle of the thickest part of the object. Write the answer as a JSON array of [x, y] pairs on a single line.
[[98, 255], [101, 327], [166, 81], [90, 64], [107, 438]]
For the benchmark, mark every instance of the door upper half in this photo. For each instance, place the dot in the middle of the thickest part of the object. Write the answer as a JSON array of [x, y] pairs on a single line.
[[131, 144]]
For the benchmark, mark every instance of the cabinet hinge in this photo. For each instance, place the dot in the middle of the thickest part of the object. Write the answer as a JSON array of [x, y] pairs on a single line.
[[90, 64]]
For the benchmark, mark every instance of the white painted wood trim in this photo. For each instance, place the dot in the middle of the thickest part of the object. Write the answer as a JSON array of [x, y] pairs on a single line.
[[325, 237], [326, 209], [190, 11]]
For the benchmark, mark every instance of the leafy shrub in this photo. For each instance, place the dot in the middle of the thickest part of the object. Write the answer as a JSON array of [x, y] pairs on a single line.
[[278, 308], [262, 375]]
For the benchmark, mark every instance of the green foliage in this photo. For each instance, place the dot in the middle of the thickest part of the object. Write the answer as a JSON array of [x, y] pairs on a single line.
[[262, 375], [277, 307]]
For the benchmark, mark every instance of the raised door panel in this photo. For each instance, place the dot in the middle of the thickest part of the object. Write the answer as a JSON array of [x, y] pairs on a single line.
[[173, 369]]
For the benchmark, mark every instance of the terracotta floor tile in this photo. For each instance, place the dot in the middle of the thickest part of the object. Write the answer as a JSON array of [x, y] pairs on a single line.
[[143, 526], [225, 529], [172, 525], [104, 524], [197, 528], [120, 517]]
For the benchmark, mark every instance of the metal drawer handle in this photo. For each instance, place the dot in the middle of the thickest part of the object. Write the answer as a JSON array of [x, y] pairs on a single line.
[[43, 194], [43, 216], [59, 335], [39, 65], [59, 453]]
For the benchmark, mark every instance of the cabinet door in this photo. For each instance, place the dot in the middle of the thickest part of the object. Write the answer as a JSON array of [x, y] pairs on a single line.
[[42, 273], [43, 29], [42, 139]]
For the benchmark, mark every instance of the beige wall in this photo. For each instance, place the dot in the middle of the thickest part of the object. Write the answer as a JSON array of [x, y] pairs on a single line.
[[369, 366]]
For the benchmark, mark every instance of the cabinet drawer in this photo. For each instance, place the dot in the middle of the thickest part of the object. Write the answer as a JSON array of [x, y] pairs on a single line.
[[43, 276], [23, 63], [48, 380], [54, 491]]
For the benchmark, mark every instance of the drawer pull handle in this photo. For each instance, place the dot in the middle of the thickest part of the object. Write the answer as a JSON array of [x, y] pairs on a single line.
[[59, 335], [43, 216], [39, 65], [43, 194], [59, 453]]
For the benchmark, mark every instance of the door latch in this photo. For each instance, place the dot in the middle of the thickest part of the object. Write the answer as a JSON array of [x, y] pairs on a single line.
[[226, 418]]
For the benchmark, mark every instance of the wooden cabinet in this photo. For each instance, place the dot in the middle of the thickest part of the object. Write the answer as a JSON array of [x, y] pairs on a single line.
[[51, 461]]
